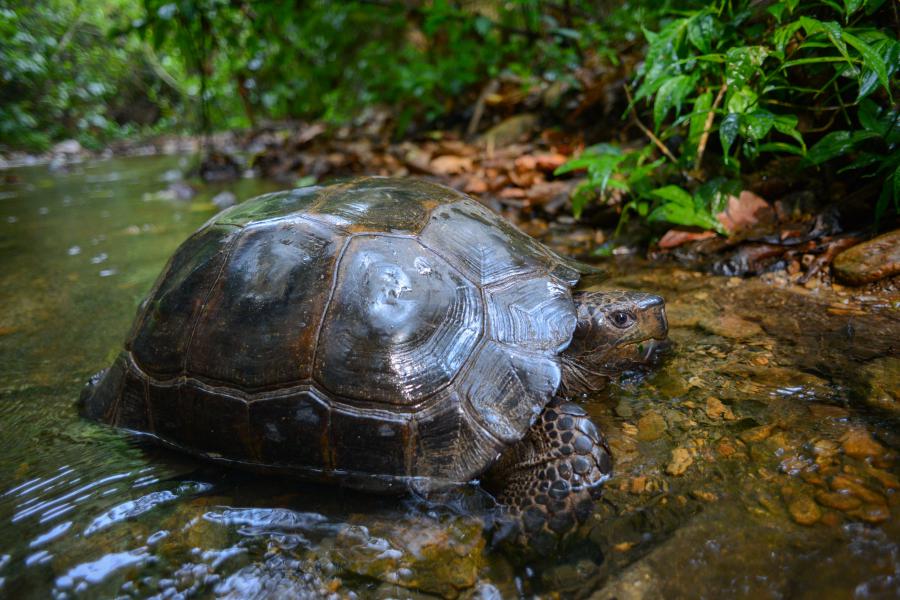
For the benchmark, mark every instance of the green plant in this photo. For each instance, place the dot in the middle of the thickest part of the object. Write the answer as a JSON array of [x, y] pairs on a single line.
[[61, 76], [724, 85], [875, 148]]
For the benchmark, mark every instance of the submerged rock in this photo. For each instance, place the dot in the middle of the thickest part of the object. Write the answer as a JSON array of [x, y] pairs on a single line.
[[870, 261], [440, 558]]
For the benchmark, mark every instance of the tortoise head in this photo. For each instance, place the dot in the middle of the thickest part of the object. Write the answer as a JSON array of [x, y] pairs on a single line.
[[616, 331]]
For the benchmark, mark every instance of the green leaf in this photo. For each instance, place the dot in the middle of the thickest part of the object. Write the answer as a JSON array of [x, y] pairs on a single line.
[[680, 208], [757, 124], [836, 143], [787, 124], [742, 63], [777, 10], [702, 105], [781, 147], [871, 60], [673, 194], [868, 114], [851, 6], [741, 100], [728, 131], [889, 50], [783, 35], [670, 95], [701, 32]]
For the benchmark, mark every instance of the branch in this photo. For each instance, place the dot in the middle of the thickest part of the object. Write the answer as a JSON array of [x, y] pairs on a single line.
[[707, 127], [647, 132]]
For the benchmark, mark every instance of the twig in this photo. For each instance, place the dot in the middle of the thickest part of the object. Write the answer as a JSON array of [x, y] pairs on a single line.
[[647, 132], [478, 112], [707, 126]]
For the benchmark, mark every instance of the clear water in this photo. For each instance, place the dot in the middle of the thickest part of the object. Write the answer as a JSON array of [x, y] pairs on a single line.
[[759, 461]]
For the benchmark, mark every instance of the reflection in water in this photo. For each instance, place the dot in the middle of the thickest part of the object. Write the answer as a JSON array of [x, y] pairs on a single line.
[[760, 460]]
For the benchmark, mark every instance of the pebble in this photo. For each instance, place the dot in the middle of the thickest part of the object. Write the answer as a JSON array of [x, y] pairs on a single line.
[[870, 261], [872, 513], [681, 460], [726, 448], [837, 500], [716, 410], [824, 448], [858, 443], [651, 427], [758, 434], [804, 510], [844, 483]]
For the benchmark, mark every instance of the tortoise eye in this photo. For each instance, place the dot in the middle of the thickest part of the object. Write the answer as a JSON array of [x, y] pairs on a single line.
[[621, 318]]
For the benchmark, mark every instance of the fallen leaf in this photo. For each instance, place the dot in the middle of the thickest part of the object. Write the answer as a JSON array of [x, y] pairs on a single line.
[[543, 192], [476, 185], [551, 161], [741, 211], [451, 165], [677, 237], [512, 192]]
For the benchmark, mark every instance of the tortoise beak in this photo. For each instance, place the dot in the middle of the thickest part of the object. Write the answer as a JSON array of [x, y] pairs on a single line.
[[653, 308]]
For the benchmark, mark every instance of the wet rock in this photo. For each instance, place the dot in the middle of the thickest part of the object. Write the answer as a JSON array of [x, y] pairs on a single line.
[[569, 576], [820, 411], [837, 500], [681, 460], [730, 326], [224, 200], [872, 513], [510, 130], [440, 558], [887, 480], [726, 448], [758, 434], [847, 484], [870, 261], [68, 147], [277, 577], [825, 448], [651, 427], [804, 510], [716, 410], [883, 375], [636, 583], [858, 443]]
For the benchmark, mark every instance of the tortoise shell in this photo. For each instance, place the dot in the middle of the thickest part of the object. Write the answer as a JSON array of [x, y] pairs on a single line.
[[381, 332]]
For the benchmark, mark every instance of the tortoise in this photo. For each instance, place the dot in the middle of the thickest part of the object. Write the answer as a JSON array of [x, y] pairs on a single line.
[[385, 334]]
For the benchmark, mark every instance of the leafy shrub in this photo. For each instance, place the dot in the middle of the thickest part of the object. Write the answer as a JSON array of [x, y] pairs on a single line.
[[60, 75], [738, 73]]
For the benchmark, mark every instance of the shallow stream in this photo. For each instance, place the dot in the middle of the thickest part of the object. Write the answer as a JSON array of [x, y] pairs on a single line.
[[759, 461]]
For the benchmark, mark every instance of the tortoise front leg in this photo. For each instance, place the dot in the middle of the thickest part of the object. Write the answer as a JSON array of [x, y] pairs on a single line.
[[547, 483]]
